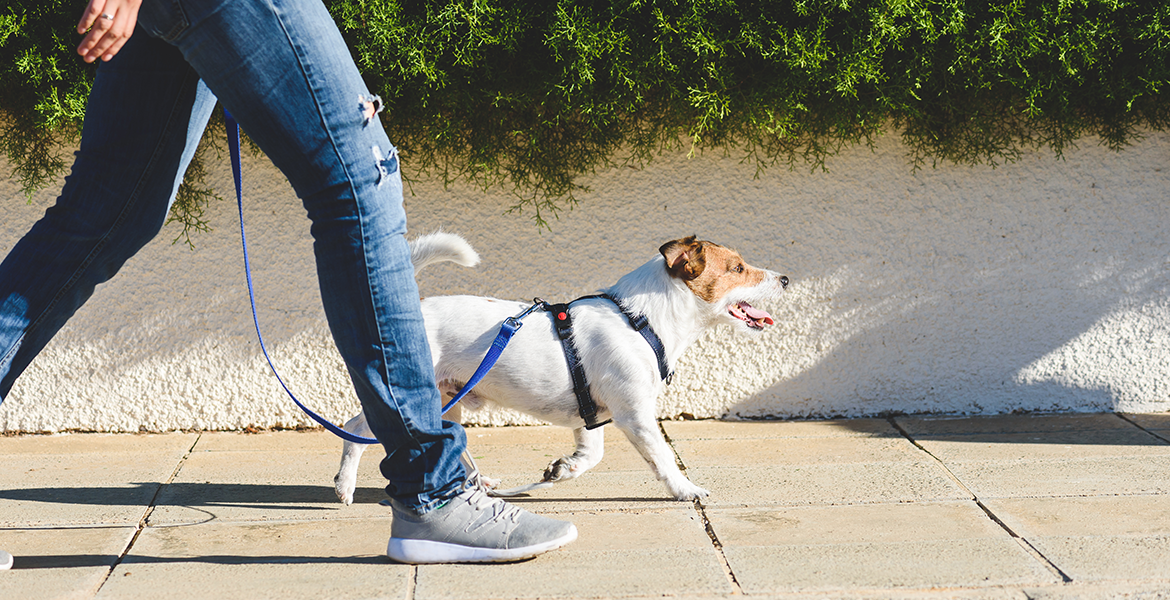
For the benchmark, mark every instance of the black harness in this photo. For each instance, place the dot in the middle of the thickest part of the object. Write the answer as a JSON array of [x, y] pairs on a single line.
[[564, 327]]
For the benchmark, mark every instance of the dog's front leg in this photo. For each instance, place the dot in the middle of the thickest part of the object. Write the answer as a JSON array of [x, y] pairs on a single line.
[[646, 437], [345, 481], [590, 449]]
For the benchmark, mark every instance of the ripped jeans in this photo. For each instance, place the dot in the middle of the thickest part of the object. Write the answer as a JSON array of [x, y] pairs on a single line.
[[283, 70]]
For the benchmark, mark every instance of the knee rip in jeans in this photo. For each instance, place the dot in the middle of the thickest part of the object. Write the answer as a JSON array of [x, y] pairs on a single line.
[[371, 105], [386, 165]]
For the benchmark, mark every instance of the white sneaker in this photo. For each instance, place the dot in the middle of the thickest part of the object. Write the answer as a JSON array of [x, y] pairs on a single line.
[[5, 561], [473, 527]]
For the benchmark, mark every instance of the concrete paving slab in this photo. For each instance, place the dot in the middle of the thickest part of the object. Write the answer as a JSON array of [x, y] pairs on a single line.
[[264, 486], [1085, 516], [920, 427], [566, 573], [723, 430], [852, 483], [1106, 537], [1126, 475], [795, 451], [60, 563], [1045, 445], [643, 553], [1156, 422], [893, 565], [868, 547], [311, 560]]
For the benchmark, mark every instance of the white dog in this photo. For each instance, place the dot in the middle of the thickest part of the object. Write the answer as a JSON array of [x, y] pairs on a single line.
[[690, 287]]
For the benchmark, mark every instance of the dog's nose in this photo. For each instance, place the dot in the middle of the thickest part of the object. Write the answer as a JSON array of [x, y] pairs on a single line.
[[783, 281]]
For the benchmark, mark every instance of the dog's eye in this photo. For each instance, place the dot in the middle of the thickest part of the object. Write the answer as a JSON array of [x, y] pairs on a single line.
[[738, 268]]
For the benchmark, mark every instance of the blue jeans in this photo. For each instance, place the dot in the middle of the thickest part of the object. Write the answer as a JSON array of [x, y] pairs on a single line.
[[283, 71]]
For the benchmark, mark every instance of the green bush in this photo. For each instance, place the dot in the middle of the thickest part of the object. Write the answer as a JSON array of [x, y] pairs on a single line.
[[532, 94]]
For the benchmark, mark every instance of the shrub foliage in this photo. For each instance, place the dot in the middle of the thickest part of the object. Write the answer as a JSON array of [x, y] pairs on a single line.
[[531, 94]]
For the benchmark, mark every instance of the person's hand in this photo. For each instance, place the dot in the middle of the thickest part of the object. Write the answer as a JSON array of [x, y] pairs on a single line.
[[106, 24]]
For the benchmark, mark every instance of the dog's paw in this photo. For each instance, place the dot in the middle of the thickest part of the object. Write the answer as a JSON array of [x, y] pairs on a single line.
[[562, 469], [688, 491], [344, 489]]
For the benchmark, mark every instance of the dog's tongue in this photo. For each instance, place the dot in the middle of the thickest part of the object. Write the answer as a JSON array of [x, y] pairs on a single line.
[[755, 313]]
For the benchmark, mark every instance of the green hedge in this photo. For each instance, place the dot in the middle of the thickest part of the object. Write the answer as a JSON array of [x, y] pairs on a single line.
[[531, 94]]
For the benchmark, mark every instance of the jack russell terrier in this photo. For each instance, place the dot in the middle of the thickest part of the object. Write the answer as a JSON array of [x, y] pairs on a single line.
[[690, 287]]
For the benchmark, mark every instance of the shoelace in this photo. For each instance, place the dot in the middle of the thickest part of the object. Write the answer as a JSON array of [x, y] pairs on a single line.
[[480, 500]]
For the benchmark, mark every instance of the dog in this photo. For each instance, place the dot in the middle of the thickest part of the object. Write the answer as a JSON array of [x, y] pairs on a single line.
[[688, 288]]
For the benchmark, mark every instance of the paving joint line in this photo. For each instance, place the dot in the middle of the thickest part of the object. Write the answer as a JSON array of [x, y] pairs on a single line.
[[1023, 542], [736, 589], [412, 583], [149, 510], [1135, 424]]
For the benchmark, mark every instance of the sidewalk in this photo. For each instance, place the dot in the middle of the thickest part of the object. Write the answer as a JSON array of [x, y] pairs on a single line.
[[1062, 506]]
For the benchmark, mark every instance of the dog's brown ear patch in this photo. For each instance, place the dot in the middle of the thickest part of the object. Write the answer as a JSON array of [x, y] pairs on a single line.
[[684, 258]]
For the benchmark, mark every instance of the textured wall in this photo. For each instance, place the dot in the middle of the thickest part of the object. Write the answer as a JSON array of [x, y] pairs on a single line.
[[1038, 286]]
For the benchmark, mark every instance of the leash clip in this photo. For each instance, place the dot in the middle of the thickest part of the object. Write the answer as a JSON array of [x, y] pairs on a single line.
[[514, 321]]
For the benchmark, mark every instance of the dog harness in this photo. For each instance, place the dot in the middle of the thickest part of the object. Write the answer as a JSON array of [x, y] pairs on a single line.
[[563, 322]]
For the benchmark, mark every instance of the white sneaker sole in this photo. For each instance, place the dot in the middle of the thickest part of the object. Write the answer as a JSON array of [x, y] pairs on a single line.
[[419, 552], [5, 561]]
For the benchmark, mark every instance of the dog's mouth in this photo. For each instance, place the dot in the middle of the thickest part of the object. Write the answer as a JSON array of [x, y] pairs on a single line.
[[754, 317]]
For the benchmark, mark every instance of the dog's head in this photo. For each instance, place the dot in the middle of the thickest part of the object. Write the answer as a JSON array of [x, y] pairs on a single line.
[[720, 277]]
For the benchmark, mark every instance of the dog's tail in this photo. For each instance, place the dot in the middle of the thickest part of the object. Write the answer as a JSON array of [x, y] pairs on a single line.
[[441, 246]]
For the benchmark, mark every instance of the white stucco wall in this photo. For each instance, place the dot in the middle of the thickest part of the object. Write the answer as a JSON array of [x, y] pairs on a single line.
[[1037, 286]]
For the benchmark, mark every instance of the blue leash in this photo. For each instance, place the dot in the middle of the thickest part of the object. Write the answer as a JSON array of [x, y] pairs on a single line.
[[509, 328]]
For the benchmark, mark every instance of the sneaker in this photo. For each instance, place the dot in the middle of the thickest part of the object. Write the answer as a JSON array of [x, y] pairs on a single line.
[[5, 561], [473, 527]]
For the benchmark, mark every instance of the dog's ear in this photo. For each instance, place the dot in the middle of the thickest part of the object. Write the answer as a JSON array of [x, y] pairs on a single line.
[[684, 258]]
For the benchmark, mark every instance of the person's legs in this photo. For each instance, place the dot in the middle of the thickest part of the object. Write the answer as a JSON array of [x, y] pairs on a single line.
[[146, 113], [283, 71]]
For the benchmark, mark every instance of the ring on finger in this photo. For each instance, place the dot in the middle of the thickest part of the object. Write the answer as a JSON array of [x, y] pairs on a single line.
[[108, 16]]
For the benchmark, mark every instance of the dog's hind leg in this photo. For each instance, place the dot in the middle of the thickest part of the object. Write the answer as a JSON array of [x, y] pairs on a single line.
[[590, 449], [345, 481]]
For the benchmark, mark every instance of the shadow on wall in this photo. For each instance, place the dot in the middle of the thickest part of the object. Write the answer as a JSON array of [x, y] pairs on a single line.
[[986, 347], [1040, 286]]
